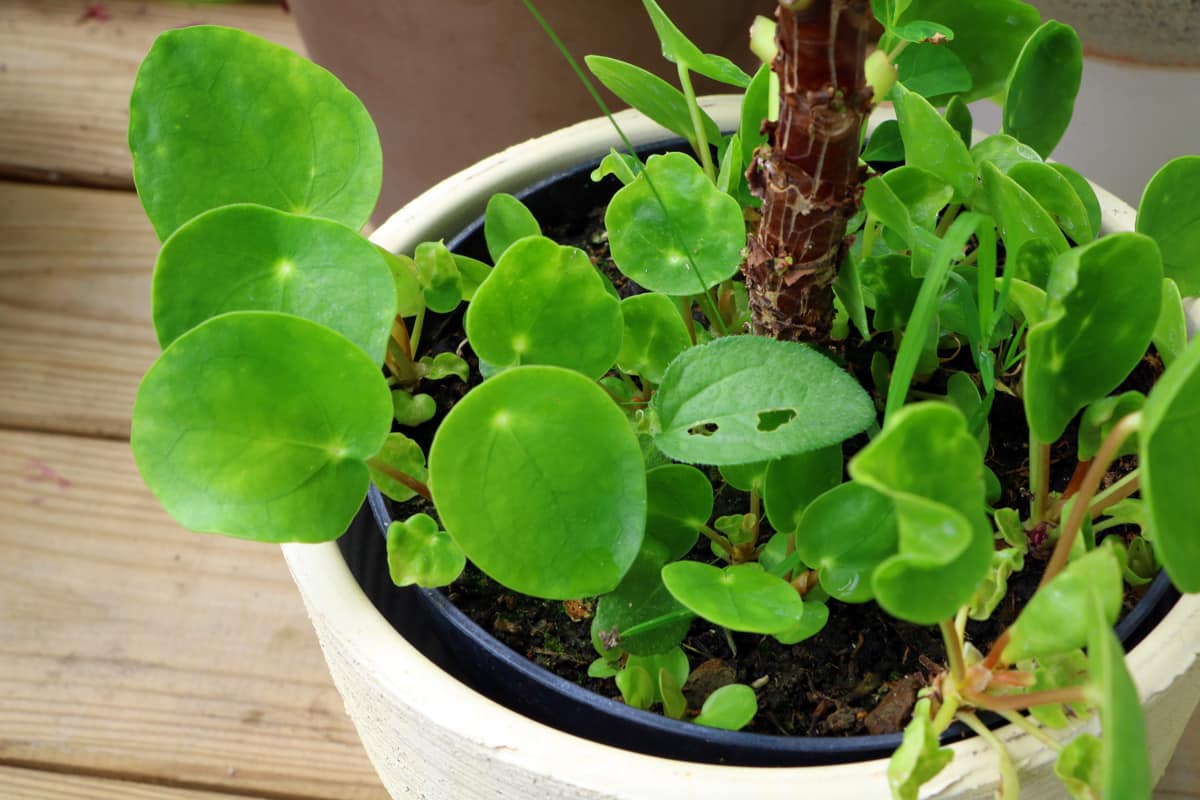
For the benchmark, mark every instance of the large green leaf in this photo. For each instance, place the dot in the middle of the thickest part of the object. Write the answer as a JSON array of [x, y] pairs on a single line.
[[539, 478], [792, 482], [845, 534], [988, 36], [1170, 215], [679, 503], [219, 116], [689, 242], [1103, 301], [256, 424], [654, 334], [1169, 441], [1042, 87], [545, 304], [253, 258], [742, 399], [651, 95], [929, 464], [933, 70]]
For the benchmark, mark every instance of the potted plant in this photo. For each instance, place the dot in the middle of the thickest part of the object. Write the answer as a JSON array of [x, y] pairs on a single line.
[[854, 417]]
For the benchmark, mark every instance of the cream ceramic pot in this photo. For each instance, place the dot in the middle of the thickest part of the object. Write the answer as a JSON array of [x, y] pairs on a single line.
[[430, 736]]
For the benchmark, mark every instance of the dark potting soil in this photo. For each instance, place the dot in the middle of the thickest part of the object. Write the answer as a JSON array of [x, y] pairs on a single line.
[[862, 672]]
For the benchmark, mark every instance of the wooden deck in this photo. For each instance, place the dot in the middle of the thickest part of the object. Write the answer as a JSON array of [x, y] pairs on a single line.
[[136, 660]]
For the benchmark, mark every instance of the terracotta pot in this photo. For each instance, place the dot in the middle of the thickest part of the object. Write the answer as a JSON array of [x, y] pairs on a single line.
[[449, 82], [429, 735]]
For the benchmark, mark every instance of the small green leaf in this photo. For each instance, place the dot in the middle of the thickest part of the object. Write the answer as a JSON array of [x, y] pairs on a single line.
[[918, 758], [648, 239], [1058, 618], [1059, 671], [410, 299], [816, 616], [419, 552], [1099, 419], [754, 111], [791, 483], [988, 36], [1055, 194], [674, 662], [445, 365], [885, 144], [1019, 216], [845, 534], [670, 689], [642, 598], [742, 597], [471, 273], [636, 686], [1004, 152], [651, 95], [545, 304], [893, 290], [403, 455], [932, 144], [1169, 441], [505, 221], [1042, 87], [725, 402], [439, 276], [920, 30], [1103, 301], [958, 114], [745, 477], [1170, 332], [411, 410], [1168, 215], [679, 503], [622, 165], [933, 70], [204, 133], [1087, 195], [654, 334], [678, 49], [1124, 761], [253, 258], [731, 707], [731, 170], [1078, 767], [256, 424], [602, 668], [511, 495]]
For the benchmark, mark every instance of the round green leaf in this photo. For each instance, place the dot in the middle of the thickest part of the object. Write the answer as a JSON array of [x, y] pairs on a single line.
[[539, 478], [654, 334], [411, 410], [204, 133], [505, 221], [743, 399], [845, 534], [404, 455], [689, 242], [741, 597], [256, 424], [679, 503], [1102, 303], [419, 552], [731, 707], [545, 304], [1169, 215], [1042, 87], [792, 482], [253, 258], [1169, 441]]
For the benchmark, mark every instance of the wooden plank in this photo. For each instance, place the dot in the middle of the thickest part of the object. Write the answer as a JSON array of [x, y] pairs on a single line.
[[75, 328], [132, 649], [65, 79], [28, 784]]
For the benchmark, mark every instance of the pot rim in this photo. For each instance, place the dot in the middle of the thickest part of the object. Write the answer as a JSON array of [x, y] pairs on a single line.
[[347, 620]]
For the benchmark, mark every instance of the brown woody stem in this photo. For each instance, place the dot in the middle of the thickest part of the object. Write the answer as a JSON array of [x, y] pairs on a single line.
[[807, 174]]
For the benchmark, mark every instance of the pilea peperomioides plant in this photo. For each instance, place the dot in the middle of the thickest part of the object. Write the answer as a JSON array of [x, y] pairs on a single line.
[[582, 462]]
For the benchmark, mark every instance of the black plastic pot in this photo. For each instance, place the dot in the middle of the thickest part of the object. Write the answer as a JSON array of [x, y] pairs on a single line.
[[458, 645]]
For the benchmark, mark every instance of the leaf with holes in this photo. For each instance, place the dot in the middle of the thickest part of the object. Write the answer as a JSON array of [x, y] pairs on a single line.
[[511, 489], [253, 258], [742, 399], [204, 133], [545, 304], [256, 424], [687, 243]]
